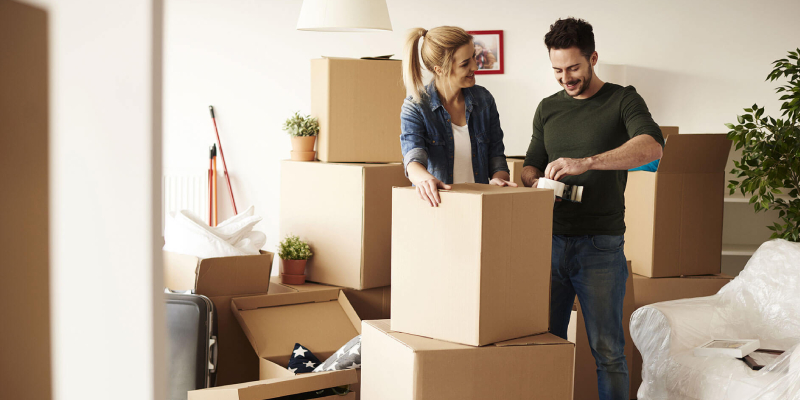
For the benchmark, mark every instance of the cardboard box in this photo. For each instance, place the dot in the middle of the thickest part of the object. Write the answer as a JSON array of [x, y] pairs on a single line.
[[358, 105], [585, 366], [399, 366], [279, 387], [655, 290], [515, 169], [674, 216], [369, 303], [476, 269], [668, 130], [344, 212], [221, 279], [322, 321]]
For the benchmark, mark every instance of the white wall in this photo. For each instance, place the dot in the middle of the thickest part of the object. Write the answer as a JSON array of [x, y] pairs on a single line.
[[696, 63], [105, 165]]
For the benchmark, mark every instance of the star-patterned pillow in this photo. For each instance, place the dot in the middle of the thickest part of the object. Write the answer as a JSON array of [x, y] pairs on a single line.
[[303, 360], [348, 357]]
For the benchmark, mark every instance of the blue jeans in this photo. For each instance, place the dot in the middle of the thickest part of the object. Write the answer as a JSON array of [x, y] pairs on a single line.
[[593, 267]]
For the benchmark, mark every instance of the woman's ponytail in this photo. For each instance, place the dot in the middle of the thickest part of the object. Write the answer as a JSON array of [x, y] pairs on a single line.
[[412, 68]]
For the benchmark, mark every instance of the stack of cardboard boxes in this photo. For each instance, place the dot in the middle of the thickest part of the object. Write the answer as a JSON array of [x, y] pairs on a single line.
[[470, 301], [674, 224], [341, 205]]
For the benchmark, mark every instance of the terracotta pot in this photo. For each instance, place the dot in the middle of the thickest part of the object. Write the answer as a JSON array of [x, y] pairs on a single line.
[[293, 279], [303, 155], [303, 143], [293, 267]]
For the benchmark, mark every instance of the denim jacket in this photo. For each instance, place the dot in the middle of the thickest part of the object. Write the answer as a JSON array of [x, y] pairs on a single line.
[[427, 136]]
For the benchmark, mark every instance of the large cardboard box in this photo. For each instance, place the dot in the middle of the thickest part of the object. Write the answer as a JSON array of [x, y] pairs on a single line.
[[372, 303], [585, 366], [344, 211], [221, 279], [358, 105], [321, 321], [655, 290], [474, 270], [674, 216], [515, 169], [280, 387], [399, 366]]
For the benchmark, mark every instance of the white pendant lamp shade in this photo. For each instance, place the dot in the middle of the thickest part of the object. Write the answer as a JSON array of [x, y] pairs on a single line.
[[344, 16]]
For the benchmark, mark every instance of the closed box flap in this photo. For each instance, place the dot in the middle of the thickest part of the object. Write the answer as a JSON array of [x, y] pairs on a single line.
[[322, 321], [535, 340], [421, 343], [695, 153], [480, 189], [278, 387], [221, 276]]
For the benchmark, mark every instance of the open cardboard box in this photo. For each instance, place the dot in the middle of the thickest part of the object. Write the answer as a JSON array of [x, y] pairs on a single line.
[[344, 212], [674, 216], [220, 279], [400, 366], [476, 269], [279, 387], [369, 304], [321, 321]]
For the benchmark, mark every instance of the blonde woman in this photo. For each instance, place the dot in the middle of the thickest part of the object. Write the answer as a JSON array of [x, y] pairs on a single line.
[[450, 129]]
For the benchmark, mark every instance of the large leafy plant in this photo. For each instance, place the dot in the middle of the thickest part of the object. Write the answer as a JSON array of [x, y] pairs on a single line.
[[770, 163], [292, 248], [299, 125]]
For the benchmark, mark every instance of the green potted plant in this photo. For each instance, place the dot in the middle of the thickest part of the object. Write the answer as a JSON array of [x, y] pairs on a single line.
[[770, 163], [303, 130], [294, 254]]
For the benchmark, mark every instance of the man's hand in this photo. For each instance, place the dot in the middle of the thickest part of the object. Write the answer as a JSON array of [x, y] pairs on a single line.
[[566, 167]]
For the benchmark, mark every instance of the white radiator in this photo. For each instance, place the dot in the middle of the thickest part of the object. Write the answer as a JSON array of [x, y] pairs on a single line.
[[184, 192]]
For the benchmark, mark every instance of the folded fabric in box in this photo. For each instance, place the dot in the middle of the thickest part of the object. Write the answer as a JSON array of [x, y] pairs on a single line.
[[303, 360], [347, 357]]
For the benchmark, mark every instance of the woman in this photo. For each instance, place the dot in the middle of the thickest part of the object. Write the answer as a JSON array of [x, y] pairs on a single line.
[[450, 129]]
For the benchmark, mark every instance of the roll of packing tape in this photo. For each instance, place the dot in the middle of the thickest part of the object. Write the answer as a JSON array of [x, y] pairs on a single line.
[[558, 187], [567, 192]]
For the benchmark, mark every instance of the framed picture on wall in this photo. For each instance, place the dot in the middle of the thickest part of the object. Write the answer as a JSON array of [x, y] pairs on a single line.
[[488, 51]]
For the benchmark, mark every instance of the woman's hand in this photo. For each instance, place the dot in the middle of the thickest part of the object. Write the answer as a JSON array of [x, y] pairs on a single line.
[[501, 178], [428, 190], [502, 182]]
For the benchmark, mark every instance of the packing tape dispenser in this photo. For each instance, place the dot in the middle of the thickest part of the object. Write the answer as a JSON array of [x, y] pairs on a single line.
[[572, 193]]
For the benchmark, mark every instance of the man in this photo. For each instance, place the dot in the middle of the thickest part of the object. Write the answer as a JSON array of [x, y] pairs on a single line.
[[590, 134]]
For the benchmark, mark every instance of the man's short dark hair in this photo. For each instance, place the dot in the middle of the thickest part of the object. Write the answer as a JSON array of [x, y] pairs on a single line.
[[571, 32]]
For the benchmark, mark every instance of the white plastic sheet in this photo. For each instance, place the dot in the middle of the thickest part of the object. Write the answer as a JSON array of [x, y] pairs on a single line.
[[763, 303], [186, 233]]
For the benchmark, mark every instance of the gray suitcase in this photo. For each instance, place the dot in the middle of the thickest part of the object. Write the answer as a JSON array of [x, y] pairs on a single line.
[[191, 342]]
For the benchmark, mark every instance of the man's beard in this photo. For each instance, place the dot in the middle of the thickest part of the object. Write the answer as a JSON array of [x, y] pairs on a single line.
[[585, 84]]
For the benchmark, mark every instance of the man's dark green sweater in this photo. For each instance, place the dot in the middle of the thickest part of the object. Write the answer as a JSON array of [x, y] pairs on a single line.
[[573, 128]]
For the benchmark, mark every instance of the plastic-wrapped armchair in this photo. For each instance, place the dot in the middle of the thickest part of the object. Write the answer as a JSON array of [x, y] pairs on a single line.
[[763, 303]]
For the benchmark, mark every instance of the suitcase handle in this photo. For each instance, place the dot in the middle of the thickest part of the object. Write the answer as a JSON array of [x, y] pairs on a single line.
[[212, 355]]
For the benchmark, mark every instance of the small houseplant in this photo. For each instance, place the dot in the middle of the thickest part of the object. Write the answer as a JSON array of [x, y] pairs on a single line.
[[303, 130], [294, 253], [770, 163]]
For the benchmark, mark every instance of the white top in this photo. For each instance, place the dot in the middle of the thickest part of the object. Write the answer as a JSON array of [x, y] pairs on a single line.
[[462, 158]]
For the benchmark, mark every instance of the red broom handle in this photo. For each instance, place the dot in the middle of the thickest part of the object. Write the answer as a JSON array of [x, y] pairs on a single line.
[[224, 166]]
